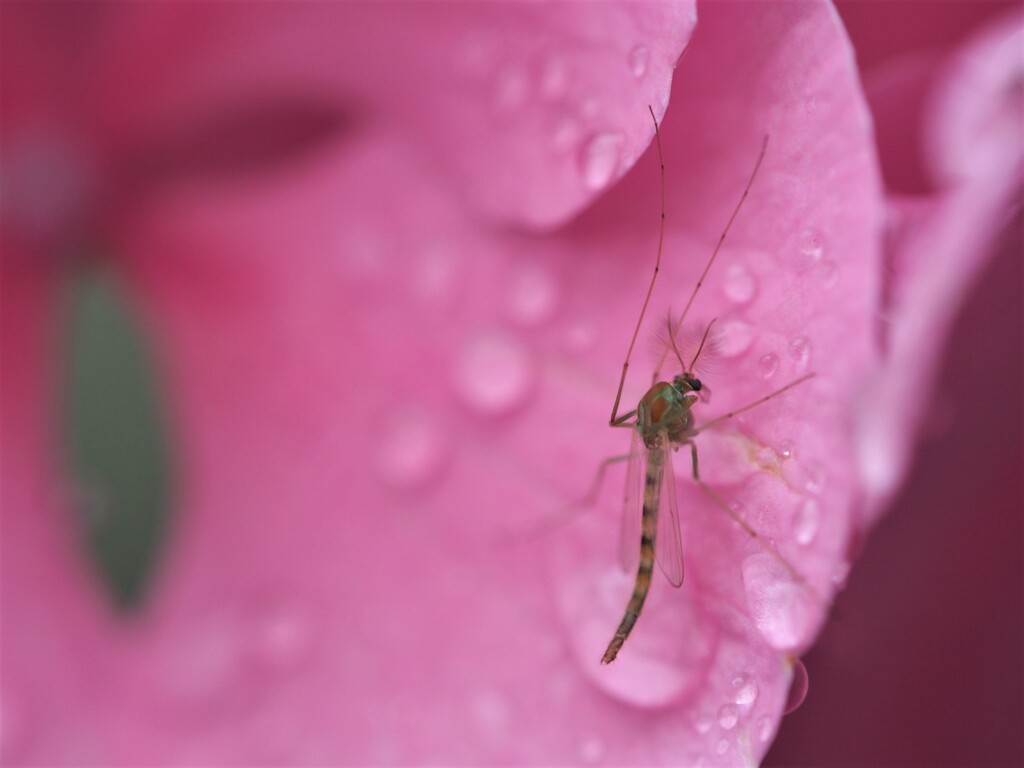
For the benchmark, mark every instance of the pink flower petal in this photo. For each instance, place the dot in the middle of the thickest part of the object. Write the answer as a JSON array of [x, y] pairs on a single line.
[[373, 402]]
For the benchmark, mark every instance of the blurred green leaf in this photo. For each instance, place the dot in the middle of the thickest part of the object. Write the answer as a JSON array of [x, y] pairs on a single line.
[[115, 437]]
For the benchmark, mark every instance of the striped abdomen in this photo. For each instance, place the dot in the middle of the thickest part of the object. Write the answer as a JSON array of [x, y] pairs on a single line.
[[652, 493]]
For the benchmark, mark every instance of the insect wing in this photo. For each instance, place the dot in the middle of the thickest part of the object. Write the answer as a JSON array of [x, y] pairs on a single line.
[[632, 508], [668, 547]]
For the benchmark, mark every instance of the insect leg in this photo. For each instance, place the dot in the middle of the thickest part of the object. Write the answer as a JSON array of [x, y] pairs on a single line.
[[654, 277], [762, 542]]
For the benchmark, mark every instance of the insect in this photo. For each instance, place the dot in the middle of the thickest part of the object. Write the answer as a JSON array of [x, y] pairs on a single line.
[[662, 423]]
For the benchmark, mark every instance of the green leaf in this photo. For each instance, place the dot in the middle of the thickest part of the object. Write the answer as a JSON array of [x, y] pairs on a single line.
[[115, 437]]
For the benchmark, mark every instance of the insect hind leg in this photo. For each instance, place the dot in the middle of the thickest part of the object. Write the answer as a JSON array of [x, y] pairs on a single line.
[[762, 542]]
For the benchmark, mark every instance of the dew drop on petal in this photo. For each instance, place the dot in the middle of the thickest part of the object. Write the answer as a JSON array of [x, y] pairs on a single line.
[[735, 339], [798, 687], [490, 712], [704, 722], [743, 689], [768, 365], [13, 725], [532, 295], [806, 521], [782, 609], [739, 285], [638, 59], [600, 159], [494, 373], [722, 746], [279, 635], [764, 728], [201, 665], [814, 477], [566, 133], [511, 89], [810, 245], [591, 750], [554, 78], [828, 273], [728, 716], [800, 352], [412, 450]]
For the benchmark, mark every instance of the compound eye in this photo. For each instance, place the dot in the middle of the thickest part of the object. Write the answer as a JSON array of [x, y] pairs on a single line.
[[695, 385]]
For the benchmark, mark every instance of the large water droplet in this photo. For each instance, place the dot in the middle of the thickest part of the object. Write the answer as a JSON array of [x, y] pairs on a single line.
[[722, 746], [435, 274], [532, 295], [411, 451], [511, 88], [782, 609], [202, 663], [491, 712], [814, 477], [728, 716], [739, 285], [703, 722], [743, 689], [279, 635], [13, 726], [798, 687], [494, 373], [810, 245], [806, 521], [800, 352], [591, 750], [768, 365], [735, 338], [638, 59], [828, 273], [600, 159], [554, 78], [764, 728]]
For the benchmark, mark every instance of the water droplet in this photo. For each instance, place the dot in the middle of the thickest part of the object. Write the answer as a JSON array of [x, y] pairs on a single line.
[[814, 477], [739, 285], [722, 746], [800, 352], [494, 373], [434, 272], [840, 574], [798, 687], [810, 246], [828, 273], [13, 726], [490, 712], [600, 160], [591, 750], [201, 664], [704, 722], [805, 521], [411, 451], [554, 78], [566, 133], [743, 689], [578, 337], [279, 635], [782, 609], [638, 59], [764, 728], [735, 338], [532, 295], [768, 365], [785, 450], [511, 89], [728, 716]]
